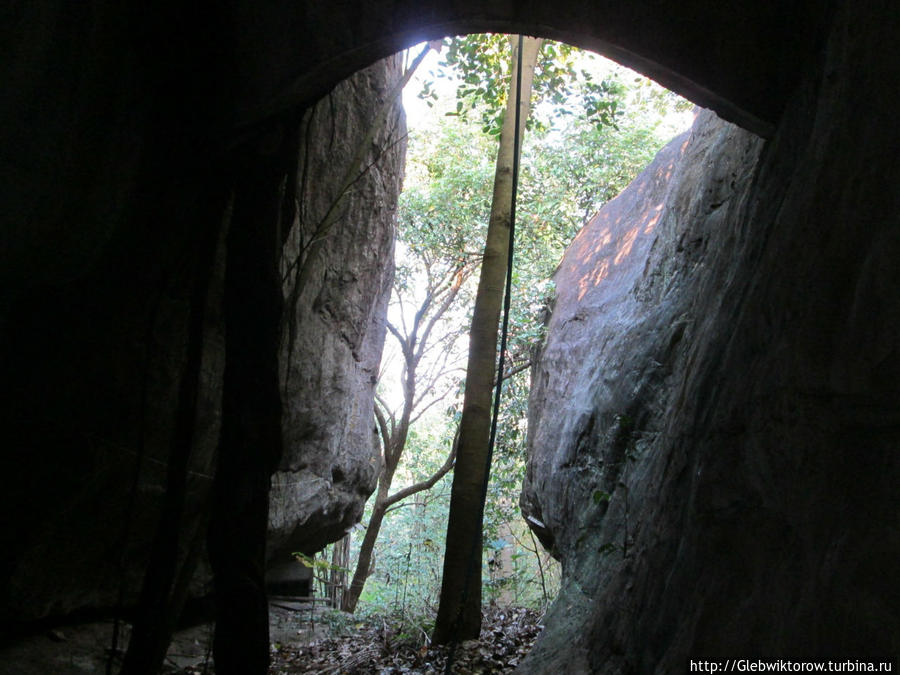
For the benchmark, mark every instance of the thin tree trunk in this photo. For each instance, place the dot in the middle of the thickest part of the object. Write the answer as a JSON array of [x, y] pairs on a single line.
[[382, 504], [351, 597], [459, 612], [394, 433], [337, 573]]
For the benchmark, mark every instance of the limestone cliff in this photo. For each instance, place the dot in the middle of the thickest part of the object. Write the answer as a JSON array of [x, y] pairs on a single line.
[[714, 420]]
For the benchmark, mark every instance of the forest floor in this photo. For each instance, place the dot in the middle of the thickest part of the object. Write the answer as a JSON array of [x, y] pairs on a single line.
[[321, 641], [392, 645]]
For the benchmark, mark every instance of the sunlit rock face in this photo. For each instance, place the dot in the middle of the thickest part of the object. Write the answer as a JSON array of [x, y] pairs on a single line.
[[335, 327], [621, 316], [714, 418]]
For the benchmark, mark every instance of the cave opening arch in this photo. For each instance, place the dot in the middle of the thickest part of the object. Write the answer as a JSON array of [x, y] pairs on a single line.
[[110, 166], [729, 57], [708, 56], [283, 56]]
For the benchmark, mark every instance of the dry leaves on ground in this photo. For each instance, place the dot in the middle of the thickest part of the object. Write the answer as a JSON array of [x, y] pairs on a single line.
[[379, 647]]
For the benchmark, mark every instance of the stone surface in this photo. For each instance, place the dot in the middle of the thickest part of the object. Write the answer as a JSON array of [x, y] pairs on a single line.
[[95, 384], [332, 352], [620, 319], [714, 422]]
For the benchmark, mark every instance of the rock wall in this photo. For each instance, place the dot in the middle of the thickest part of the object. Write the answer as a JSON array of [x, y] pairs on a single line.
[[94, 374], [620, 320], [336, 303], [714, 418]]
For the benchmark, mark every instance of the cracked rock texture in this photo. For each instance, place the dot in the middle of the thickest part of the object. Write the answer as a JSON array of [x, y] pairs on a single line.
[[714, 421], [332, 345]]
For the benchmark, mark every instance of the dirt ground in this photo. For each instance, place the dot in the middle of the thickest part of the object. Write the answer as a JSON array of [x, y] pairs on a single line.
[[302, 641]]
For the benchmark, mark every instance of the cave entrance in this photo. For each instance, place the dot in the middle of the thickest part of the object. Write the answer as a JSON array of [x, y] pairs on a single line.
[[251, 439], [573, 164], [267, 72], [312, 68], [85, 83]]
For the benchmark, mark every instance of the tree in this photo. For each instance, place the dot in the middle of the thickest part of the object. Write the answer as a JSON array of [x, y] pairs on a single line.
[[434, 262], [443, 284], [556, 78], [459, 612], [571, 164]]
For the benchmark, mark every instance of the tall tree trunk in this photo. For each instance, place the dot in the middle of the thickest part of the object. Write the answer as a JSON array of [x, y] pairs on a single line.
[[459, 612]]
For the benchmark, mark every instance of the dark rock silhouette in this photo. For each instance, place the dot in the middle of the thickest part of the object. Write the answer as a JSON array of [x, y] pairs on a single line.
[[130, 133], [713, 439]]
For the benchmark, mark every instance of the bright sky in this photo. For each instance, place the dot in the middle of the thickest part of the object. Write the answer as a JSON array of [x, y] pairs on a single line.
[[417, 111]]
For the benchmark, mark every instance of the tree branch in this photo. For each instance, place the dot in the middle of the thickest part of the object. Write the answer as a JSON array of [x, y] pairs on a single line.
[[459, 278], [430, 481], [515, 371], [421, 411], [384, 430]]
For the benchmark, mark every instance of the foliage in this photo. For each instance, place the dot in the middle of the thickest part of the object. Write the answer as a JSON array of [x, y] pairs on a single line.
[[446, 200], [571, 166], [481, 62], [317, 565]]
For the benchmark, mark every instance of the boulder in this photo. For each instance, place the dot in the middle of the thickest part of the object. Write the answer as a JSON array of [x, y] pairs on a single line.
[[714, 419], [94, 369], [335, 323], [620, 316]]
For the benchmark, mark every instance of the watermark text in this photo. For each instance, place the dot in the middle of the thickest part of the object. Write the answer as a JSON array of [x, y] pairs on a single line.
[[783, 666]]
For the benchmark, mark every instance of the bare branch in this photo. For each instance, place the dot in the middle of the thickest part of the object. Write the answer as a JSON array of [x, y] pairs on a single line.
[[430, 387], [397, 334], [430, 481], [458, 279], [385, 431], [386, 409], [417, 320], [518, 369], [421, 411], [437, 367]]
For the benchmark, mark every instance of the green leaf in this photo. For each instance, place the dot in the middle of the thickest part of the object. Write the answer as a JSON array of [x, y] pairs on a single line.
[[600, 496]]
